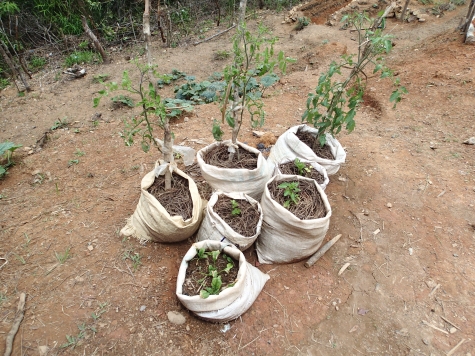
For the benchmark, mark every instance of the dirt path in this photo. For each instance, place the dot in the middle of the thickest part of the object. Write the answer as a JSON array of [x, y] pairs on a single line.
[[404, 203]]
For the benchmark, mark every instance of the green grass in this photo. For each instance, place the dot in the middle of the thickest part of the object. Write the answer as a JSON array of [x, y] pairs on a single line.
[[4, 83], [37, 63], [64, 256], [80, 57]]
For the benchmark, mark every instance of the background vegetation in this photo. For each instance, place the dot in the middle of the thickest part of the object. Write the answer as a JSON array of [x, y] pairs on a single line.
[[27, 25]]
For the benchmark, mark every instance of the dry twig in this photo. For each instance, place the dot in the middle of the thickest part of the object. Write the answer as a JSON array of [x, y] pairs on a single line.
[[16, 324]]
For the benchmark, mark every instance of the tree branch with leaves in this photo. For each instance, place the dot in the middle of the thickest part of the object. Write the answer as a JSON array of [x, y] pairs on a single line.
[[335, 101]]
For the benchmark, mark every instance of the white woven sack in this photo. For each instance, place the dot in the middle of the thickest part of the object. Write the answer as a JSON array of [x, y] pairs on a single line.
[[240, 180], [470, 36], [288, 146], [231, 302], [284, 237], [151, 222], [213, 227], [320, 169]]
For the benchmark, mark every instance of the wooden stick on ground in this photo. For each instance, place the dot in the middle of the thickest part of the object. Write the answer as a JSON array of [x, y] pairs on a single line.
[[434, 327], [315, 257], [215, 35], [451, 352], [20, 313]]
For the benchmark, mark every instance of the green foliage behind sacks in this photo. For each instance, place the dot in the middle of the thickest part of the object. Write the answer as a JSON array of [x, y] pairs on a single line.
[[80, 57]]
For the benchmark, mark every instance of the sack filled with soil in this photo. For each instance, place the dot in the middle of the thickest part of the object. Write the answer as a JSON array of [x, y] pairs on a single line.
[[294, 233], [290, 146], [311, 170], [231, 302], [247, 173], [152, 221], [231, 218]]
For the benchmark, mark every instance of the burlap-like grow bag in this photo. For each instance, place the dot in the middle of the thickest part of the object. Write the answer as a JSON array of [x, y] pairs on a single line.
[[231, 302], [284, 237], [214, 227], [288, 146], [151, 222]]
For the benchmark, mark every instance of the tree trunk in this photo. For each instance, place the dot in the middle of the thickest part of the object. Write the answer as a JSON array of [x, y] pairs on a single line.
[[167, 152], [95, 41], [159, 22], [242, 12], [146, 32], [403, 13]]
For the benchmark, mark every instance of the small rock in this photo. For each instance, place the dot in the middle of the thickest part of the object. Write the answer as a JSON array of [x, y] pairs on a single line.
[[403, 332], [142, 308], [225, 328], [456, 255], [430, 283], [470, 141], [336, 308], [186, 119], [90, 247], [187, 328], [452, 330], [258, 133], [261, 146], [411, 251], [26, 148], [389, 205], [35, 172], [43, 350], [425, 341], [176, 318]]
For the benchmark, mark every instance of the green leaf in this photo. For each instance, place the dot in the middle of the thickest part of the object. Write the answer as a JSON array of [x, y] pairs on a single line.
[[215, 254], [216, 284], [269, 80], [230, 120], [216, 131], [204, 294], [8, 146], [96, 102]]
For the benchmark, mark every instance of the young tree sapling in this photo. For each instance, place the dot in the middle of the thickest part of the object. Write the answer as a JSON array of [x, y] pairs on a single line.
[[335, 102]]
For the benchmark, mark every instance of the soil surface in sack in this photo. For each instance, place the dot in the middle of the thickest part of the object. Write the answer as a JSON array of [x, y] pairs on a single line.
[[241, 217], [176, 200], [198, 273], [404, 203], [309, 202], [219, 156], [310, 140], [204, 188], [308, 172]]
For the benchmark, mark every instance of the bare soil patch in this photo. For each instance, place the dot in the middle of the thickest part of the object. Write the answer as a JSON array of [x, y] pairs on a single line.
[[404, 203]]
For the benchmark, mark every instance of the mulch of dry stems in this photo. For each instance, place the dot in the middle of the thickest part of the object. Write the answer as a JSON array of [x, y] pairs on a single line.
[[177, 200], [291, 169], [198, 268], [310, 141], [310, 204], [246, 222], [204, 188], [219, 157]]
